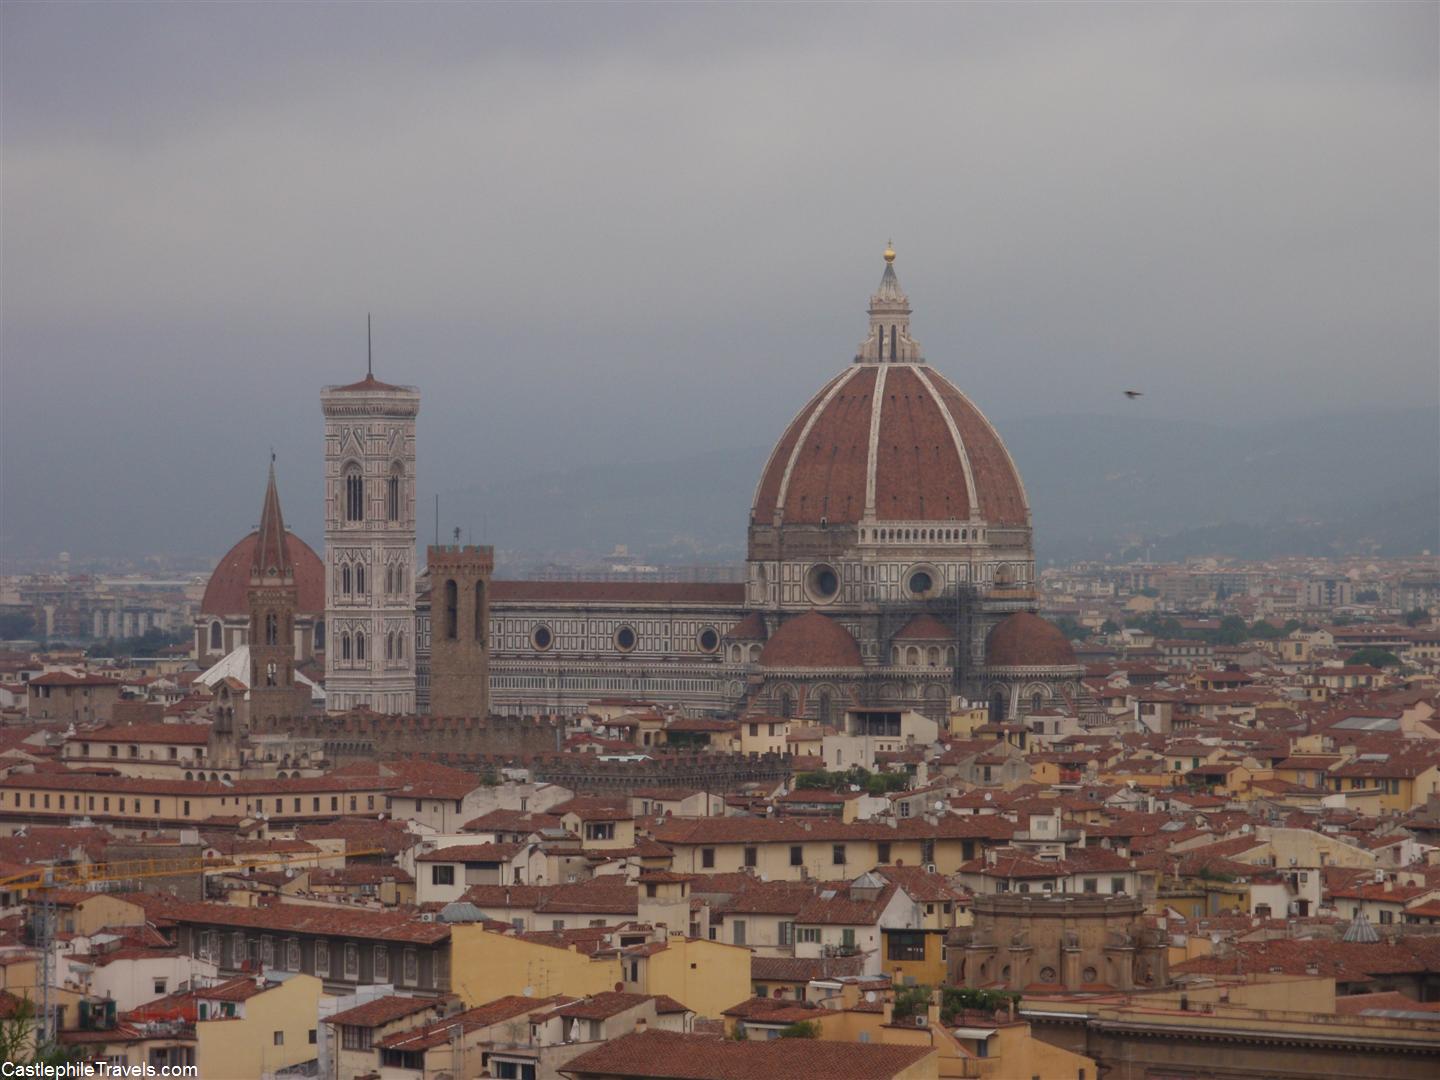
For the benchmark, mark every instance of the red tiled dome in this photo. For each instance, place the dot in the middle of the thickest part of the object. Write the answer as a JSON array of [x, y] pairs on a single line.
[[1026, 640], [750, 628], [811, 640], [227, 592], [925, 454]]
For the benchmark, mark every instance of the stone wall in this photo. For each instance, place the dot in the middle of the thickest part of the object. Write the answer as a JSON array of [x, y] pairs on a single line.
[[353, 735], [705, 772]]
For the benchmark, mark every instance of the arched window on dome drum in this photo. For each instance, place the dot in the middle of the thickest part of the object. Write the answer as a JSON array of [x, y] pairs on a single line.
[[787, 706], [933, 656], [912, 656], [392, 494], [452, 610], [344, 646], [272, 629], [997, 706], [479, 630], [354, 494], [1036, 701], [824, 708], [216, 636], [359, 645]]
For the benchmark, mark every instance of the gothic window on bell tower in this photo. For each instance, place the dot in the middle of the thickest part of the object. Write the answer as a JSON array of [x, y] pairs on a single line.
[[354, 494], [270, 674], [392, 493], [452, 610], [480, 611], [359, 644], [360, 580], [345, 579], [344, 646], [272, 629]]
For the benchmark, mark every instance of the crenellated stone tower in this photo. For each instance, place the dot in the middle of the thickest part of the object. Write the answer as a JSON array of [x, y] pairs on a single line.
[[370, 545], [460, 629]]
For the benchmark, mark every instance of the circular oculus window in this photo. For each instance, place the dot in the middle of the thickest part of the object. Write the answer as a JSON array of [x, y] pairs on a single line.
[[541, 638], [708, 639], [625, 638], [921, 582], [822, 582]]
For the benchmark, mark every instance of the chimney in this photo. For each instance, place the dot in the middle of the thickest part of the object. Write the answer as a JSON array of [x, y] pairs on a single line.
[[640, 1025]]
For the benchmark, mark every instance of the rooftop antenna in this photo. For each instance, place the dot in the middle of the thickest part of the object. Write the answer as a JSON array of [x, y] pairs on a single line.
[[369, 353], [437, 519]]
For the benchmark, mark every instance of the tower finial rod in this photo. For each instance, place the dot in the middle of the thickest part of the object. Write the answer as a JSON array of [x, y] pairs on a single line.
[[369, 352]]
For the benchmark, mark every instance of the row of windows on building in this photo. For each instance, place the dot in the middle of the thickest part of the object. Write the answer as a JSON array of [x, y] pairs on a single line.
[[354, 647], [354, 492], [588, 683], [272, 635], [750, 854], [625, 638], [135, 804], [352, 580], [242, 949]]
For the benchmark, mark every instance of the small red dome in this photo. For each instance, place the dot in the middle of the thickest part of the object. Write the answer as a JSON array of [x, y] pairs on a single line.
[[750, 628], [811, 640], [1026, 640], [925, 628], [228, 590]]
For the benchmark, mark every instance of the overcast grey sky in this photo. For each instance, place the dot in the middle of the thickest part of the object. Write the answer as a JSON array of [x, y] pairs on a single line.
[[625, 232]]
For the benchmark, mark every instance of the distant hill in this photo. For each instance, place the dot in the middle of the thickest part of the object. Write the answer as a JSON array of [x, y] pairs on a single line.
[[1098, 485]]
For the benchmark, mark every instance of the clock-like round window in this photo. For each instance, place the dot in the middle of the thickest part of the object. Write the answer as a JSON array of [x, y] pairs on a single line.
[[625, 638], [541, 638]]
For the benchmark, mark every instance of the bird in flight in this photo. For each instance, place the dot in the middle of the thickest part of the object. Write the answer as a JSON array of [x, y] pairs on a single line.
[[1133, 394]]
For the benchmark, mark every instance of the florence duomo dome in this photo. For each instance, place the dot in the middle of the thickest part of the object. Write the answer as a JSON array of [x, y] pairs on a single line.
[[891, 506]]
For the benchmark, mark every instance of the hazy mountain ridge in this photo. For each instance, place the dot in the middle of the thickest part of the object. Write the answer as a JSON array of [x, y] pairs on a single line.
[[1097, 485]]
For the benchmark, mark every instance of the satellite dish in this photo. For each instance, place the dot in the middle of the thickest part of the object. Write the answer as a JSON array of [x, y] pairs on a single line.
[[529, 991], [870, 997], [988, 796], [939, 805]]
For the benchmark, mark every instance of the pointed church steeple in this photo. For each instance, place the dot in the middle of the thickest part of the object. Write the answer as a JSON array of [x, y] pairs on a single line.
[[272, 552], [889, 340]]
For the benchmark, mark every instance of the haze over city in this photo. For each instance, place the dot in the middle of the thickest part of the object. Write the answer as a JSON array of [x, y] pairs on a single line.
[[636, 234], [640, 541]]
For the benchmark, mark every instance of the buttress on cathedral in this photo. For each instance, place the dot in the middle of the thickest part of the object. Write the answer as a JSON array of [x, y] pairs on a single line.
[[890, 567]]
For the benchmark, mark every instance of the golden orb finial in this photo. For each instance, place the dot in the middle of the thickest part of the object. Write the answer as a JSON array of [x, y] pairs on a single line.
[[889, 251]]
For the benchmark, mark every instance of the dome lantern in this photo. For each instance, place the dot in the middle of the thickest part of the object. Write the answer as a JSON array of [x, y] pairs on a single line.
[[889, 340]]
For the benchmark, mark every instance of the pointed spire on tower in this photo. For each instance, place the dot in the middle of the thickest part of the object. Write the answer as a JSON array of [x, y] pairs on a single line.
[[272, 552]]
